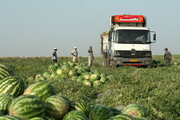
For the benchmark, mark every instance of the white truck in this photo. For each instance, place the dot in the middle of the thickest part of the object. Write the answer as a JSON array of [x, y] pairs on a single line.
[[128, 42]]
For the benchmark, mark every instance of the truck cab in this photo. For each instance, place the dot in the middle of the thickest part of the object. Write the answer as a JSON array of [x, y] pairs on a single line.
[[129, 41]]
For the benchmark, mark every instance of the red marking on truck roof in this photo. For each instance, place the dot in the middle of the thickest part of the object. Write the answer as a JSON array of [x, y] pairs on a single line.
[[129, 18]]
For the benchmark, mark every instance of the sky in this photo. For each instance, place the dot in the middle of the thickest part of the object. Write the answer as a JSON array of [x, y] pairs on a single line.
[[32, 28]]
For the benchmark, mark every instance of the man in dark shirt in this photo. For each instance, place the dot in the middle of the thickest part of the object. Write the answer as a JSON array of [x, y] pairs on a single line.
[[54, 56], [167, 56]]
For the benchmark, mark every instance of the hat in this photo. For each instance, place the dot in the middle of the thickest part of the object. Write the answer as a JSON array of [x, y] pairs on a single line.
[[165, 49], [55, 48], [75, 47]]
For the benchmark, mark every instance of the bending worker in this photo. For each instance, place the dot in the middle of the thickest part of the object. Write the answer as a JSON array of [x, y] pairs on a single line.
[[74, 53], [167, 56]]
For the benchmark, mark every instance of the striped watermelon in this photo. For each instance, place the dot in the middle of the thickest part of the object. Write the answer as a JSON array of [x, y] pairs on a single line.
[[9, 117], [71, 105], [43, 90], [5, 101], [135, 110], [83, 107], [5, 71], [37, 118], [75, 115], [26, 107], [122, 117], [100, 112], [56, 106], [13, 85]]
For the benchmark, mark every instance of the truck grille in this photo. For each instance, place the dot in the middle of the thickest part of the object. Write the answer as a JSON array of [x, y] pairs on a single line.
[[133, 54]]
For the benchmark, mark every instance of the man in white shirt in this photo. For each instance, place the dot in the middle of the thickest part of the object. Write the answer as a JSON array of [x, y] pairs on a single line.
[[74, 53]]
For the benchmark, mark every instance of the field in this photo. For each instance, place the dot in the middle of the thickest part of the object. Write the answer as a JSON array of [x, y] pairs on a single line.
[[156, 87]]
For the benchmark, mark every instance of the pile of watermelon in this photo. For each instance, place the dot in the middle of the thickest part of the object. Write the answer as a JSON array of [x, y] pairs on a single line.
[[78, 72], [39, 101]]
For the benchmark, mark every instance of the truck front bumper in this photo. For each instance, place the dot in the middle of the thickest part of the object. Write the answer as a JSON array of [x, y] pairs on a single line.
[[131, 61]]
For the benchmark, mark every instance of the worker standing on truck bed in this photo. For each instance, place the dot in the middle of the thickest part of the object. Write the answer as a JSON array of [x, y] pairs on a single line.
[[167, 56], [90, 57], [74, 53], [54, 55]]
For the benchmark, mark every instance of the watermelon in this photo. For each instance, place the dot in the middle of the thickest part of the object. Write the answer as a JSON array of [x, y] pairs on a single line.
[[83, 107], [100, 112], [142, 118], [56, 65], [60, 71], [43, 90], [46, 74], [66, 68], [5, 101], [26, 107], [135, 110], [87, 82], [86, 76], [13, 85], [56, 106], [75, 115], [9, 117], [52, 68], [122, 117], [5, 71], [94, 77], [103, 78], [71, 105], [37, 118], [96, 83], [72, 72], [53, 75]]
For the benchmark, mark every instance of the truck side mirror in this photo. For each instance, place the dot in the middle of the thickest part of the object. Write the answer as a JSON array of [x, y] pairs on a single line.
[[154, 37]]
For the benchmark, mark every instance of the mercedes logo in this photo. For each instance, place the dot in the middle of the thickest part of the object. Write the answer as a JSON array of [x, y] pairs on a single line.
[[133, 51]]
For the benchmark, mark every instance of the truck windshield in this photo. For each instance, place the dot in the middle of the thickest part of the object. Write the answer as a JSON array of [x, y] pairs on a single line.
[[132, 36]]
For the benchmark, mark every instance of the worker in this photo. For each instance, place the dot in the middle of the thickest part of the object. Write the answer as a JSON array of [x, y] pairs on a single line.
[[105, 59], [167, 56], [74, 53], [54, 55], [141, 38], [90, 57]]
